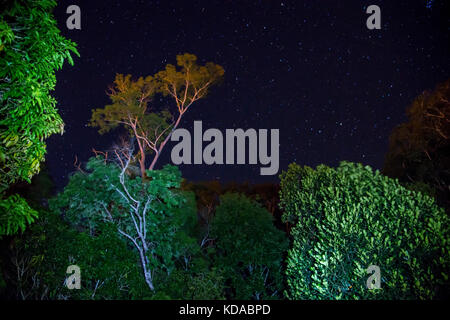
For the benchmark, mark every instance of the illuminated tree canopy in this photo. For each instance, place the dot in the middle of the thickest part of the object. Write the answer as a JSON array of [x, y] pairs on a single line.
[[31, 50], [131, 103]]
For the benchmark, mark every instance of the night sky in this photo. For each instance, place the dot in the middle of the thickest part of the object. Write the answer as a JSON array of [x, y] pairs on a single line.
[[312, 69]]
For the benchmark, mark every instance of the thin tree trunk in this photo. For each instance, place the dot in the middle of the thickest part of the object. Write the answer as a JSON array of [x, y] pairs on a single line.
[[142, 160], [142, 167], [147, 273]]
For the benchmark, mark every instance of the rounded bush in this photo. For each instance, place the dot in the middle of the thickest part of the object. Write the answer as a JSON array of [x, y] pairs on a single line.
[[348, 218]]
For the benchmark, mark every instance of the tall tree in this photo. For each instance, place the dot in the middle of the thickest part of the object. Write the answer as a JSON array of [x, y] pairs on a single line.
[[131, 101], [31, 50], [149, 216]]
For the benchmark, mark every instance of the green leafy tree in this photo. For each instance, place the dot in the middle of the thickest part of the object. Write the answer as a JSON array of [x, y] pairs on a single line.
[[248, 248], [349, 218], [131, 104], [207, 197], [147, 214], [31, 50]]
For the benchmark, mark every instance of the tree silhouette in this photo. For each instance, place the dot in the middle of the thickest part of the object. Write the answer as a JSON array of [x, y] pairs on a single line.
[[419, 150]]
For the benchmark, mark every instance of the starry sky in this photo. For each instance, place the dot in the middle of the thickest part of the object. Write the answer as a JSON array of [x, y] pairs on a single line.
[[312, 69]]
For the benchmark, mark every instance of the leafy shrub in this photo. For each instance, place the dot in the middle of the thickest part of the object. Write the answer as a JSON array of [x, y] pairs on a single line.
[[349, 218], [248, 247]]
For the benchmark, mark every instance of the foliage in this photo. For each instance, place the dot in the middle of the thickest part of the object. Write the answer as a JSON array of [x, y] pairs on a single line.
[[109, 264], [419, 150], [15, 215], [349, 218], [131, 108], [207, 194], [190, 285], [190, 82], [129, 99], [41, 257], [146, 214], [31, 49], [109, 269], [249, 247]]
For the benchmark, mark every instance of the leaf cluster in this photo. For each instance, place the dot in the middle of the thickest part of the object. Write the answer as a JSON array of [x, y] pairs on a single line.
[[31, 50]]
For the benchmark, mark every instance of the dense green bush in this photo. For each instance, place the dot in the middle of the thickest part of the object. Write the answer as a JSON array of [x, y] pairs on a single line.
[[248, 248], [349, 218]]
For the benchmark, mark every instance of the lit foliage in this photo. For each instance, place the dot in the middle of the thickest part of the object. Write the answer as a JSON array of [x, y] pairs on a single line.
[[149, 215], [349, 218], [248, 247], [31, 49], [15, 214], [131, 103], [189, 82], [130, 108]]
